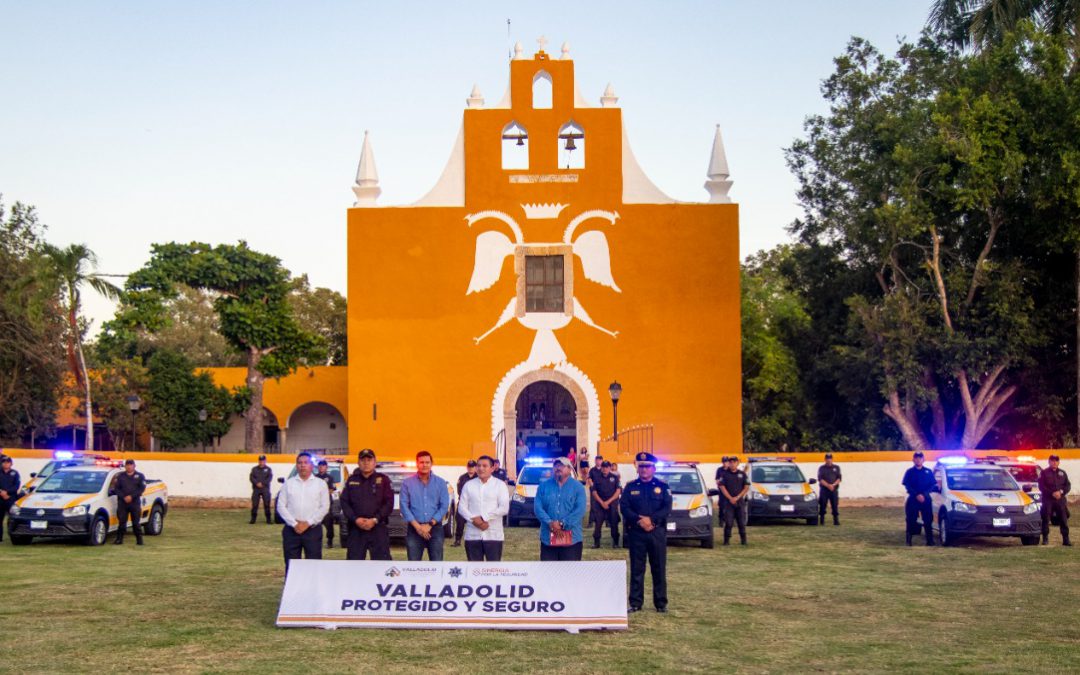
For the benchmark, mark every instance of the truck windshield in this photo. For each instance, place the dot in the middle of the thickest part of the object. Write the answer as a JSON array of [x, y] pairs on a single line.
[[785, 473], [73, 482], [534, 475], [981, 479], [681, 482], [1024, 474]]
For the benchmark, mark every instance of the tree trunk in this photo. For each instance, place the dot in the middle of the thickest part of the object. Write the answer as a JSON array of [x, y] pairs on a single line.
[[253, 418], [906, 421], [89, 403], [986, 409]]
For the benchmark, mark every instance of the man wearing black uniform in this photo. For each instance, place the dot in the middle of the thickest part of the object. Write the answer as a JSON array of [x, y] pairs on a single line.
[[330, 520], [646, 504], [499, 472], [734, 484], [261, 476], [594, 473], [919, 481], [9, 489], [1054, 486], [459, 522], [828, 476], [605, 504], [367, 500], [128, 488]]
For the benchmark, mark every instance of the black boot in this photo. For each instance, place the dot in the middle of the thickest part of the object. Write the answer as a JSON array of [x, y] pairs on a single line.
[[457, 542], [1065, 541], [742, 541], [821, 519], [1045, 539], [596, 543], [118, 541], [836, 520], [909, 539], [252, 521], [615, 542], [727, 541]]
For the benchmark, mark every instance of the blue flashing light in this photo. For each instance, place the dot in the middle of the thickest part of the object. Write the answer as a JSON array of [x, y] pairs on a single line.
[[953, 461], [63, 454], [533, 461]]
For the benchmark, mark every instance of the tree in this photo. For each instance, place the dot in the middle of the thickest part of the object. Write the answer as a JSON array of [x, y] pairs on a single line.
[[114, 382], [73, 268], [31, 329], [914, 174], [252, 306], [323, 312], [176, 395]]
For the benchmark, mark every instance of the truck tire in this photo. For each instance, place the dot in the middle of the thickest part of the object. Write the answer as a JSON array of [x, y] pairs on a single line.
[[99, 531], [1030, 541], [947, 537], [21, 539], [708, 542], [812, 522], [156, 523]]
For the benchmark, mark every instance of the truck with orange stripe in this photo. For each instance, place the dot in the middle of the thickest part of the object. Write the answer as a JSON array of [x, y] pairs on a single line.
[[779, 490], [74, 502], [982, 500]]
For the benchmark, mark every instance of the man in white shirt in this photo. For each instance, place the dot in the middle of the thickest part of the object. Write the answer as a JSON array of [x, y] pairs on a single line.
[[483, 503], [303, 503]]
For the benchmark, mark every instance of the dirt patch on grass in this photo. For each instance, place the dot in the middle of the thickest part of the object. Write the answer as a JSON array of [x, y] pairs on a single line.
[[209, 502]]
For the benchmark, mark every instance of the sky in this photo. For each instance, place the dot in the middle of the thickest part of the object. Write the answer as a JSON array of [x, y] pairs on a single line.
[[128, 124]]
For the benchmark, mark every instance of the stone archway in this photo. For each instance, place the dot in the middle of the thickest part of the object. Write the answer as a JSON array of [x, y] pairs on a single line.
[[570, 377]]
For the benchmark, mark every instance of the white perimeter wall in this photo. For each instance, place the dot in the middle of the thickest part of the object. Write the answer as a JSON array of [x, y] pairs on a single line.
[[230, 479]]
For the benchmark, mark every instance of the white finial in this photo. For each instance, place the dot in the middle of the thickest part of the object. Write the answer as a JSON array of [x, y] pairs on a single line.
[[718, 182], [367, 188], [476, 99], [609, 99], [519, 51], [566, 51], [542, 41]]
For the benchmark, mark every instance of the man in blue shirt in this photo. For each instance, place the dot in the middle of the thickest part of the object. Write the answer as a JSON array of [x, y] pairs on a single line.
[[424, 503], [560, 506]]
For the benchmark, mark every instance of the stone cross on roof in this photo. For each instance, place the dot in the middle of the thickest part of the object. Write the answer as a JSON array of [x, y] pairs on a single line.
[[542, 41]]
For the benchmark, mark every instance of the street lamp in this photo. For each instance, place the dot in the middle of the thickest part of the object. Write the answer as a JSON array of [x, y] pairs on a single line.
[[616, 391], [134, 403], [202, 427]]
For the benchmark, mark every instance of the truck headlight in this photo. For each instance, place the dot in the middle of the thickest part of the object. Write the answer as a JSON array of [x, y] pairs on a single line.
[[75, 511], [518, 498], [758, 497], [961, 507], [810, 497], [700, 512], [14, 510], [1031, 508]]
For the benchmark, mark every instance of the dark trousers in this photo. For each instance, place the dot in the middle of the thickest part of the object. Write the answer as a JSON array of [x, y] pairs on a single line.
[[307, 545], [5, 506], [651, 545], [481, 551], [609, 517], [329, 522], [264, 495], [375, 542], [732, 515], [459, 528], [1052, 507], [415, 545], [125, 511], [913, 509], [827, 497], [570, 553]]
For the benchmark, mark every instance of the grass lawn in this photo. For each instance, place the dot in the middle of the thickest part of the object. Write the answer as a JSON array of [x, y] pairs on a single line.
[[203, 597]]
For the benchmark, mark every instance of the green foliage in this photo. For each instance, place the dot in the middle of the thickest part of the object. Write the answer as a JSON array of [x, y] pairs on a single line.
[[176, 394], [31, 329], [323, 312]]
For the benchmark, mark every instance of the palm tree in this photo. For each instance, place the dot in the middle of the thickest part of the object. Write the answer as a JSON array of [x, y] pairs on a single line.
[[979, 23], [74, 267]]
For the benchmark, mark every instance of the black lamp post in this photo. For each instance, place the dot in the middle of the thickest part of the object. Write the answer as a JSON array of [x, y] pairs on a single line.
[[134, 403], [616, 391], [202, 427]]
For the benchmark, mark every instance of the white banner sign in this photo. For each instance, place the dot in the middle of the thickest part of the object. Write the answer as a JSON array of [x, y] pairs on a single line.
[[570, 596]]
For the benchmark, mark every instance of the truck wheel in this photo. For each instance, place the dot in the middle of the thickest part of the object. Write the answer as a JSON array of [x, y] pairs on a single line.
[[708, 542], [812, 522], [156, 524], [24, 539], [99, 531], [1030, 541], [947, 537]]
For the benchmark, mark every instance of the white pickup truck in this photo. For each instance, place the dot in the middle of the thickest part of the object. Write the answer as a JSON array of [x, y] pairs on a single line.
[[74, 502]]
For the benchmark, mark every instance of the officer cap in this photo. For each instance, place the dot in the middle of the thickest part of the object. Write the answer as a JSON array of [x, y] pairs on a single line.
[[645, 458], [918, 453], [828, 455], [1052, 457], [472, 462], [5, 459], [262, 457], [366, 453], [129, 461], [322, 462], [725, 459]]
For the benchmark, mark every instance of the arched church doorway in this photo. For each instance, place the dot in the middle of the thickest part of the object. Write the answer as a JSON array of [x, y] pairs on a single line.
[[546, 421]]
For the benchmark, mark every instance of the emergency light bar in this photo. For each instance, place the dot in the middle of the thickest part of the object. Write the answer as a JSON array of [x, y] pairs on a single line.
[[533, 461], [953, 461], [770, 459], [63, 454], [1026, 458]]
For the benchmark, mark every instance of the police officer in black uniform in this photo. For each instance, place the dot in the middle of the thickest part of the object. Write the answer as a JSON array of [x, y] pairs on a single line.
[[128, 488], [646, 504], [828, 476], [367, 501], [330, 519], [9, 489], [734, 484], [1054, 486], [261, 476], [459, 522], [919, 482], [499, 472], [605, 490]]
